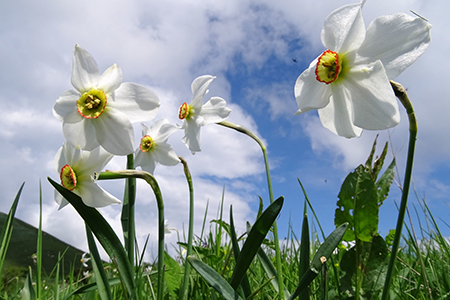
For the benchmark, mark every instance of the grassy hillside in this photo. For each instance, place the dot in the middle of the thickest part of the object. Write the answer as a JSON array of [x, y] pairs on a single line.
[[23, 245]]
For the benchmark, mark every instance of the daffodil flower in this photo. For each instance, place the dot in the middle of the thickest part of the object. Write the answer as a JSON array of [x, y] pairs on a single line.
[[154, 147], [349, 82], [197, 114], [167, 229], [77, 170], [102, 108]]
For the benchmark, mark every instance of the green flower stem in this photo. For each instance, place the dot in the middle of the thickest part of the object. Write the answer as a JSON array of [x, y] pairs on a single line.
[[400, 92], [187, 266], [244, 130], [127, 217], [160, 203]]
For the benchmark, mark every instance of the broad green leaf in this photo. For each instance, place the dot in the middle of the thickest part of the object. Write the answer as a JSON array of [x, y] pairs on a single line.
[[384, 183], [236, 251], [104, 233], [214, 279], [254, 240], [358, 205], [104, 289], [28, 292], [322, 255], [173, 275]]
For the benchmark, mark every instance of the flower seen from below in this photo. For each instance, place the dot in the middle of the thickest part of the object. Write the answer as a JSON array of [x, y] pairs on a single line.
[[197, 114], [101, 108], [349, 82], [77, 171], [154, 147]]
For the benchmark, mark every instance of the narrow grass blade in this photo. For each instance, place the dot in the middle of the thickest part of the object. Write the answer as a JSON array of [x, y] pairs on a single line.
[[322, 254], [304, 252], [214, 279], [90, 287], [245, 283], [254, 240], [39, 248], [5, 235], [104, 233], [270, 271], [97, 265]]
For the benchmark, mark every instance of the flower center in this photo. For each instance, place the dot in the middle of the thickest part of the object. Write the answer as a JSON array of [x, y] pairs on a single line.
[[328, 67], [92, 104], [146, 143], [68, 178], [185, 111]]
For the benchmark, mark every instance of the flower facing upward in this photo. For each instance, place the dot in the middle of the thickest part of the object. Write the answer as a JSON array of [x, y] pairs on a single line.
[[349, 82], [154, 147], [102, 108], [198, 114], [77, 171]]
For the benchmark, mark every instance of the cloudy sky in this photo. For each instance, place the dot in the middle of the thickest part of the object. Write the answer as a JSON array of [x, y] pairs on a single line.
[[257, 49]]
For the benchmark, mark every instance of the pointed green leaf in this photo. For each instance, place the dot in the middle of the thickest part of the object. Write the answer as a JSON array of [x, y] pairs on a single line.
[[269, 268], [369, 160], [358, 205], [385, 182], [214, 279], [304, 252], [254, 240], [28, 293], [104, 233], [378, 164]]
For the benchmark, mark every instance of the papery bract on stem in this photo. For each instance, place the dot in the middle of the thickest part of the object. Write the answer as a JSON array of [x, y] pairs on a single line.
[[101, 108], [349, 82], [154, 147], [197, 114], [77, 169]]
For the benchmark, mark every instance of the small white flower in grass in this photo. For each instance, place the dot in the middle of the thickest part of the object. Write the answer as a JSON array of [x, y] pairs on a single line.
[[197, 114], [167, 229], [102, 108], [77, 171], [84, 259], [349, 82], [154, 147]]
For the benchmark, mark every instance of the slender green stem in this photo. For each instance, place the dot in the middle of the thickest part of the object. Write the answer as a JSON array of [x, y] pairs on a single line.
[[127, 217], [39, 248], [160, 203], [244, 130], [187, 266], [400, 92]]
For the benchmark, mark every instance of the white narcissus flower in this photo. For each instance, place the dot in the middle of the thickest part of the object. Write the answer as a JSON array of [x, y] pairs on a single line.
[[102, 108], [197, 114], [349, 82], [77, 171], [154, 147]]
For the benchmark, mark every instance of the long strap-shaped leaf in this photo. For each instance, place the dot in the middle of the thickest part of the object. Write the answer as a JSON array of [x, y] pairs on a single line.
[[214, 279], [322, 254], [104, 233], [254, 240]]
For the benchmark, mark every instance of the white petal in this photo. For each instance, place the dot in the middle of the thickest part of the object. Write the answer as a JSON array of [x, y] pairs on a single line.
[[65, 109], [397, 40], [165, 155], [309, 92], [159, 131], [214, 111], [111, 79], [337, 116], [192, 135], [81, 134], [60, 200], [146, 160], [343, 30], [374, 103], [94, 196], [137, 102], [93, 161], [199, 90], [114, 132], [59, 161], [85, 72]]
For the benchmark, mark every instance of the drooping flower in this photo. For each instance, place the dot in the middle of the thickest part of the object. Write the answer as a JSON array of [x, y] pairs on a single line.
[[154, 147], [78, 170], [102, 108], [349, 82], [167, 229], [197, 114]]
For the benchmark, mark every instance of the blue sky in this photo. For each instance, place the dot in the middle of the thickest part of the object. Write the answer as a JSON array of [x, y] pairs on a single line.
[[250, 46]]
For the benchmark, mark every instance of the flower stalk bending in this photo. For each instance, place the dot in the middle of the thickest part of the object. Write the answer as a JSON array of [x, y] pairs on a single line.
[[244, 130], [400, 92]]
